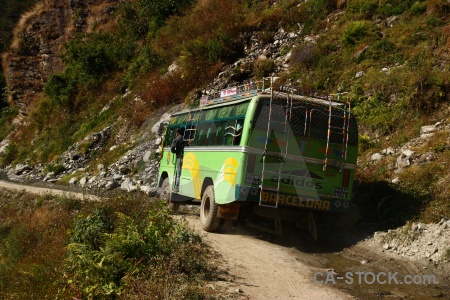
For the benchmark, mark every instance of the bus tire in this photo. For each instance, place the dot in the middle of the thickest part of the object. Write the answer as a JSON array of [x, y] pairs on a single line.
[[208, 211], [166, 195]]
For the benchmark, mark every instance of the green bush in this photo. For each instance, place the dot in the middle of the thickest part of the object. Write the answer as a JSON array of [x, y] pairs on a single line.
[[383, 51], [60, 89], [142, 18], [9, 154], [107, 249], [418, 8], [358, 31], [389, 8], [364, 143], [55, 168]]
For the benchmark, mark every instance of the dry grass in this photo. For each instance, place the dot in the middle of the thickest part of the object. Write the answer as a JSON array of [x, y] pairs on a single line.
[[33, 231], [98, 21], [24, 22]]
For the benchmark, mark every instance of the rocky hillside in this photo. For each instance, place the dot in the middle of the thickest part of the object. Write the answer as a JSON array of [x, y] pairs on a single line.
[[36, 51], [91, 80]]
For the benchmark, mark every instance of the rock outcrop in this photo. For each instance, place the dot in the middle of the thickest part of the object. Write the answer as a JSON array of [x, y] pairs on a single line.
[[39, 40]]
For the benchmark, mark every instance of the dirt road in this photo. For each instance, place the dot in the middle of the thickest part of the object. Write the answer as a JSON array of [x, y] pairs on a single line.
[[260, 270], [44, 190], [265, 270], [263, 266]]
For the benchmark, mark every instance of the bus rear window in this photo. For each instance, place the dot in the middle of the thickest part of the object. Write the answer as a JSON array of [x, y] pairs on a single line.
[[307, 119]]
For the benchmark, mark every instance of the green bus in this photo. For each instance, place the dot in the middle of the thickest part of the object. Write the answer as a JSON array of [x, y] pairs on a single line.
[[267, 151]]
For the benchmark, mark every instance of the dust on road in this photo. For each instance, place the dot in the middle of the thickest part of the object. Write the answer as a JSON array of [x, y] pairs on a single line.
[[45, 190], [264, 270]]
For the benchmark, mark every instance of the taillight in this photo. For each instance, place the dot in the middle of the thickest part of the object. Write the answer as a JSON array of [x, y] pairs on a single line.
[[346, 178], [251, 163]]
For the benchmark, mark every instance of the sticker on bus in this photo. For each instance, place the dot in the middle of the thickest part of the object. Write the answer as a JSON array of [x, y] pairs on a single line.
[[298, 201], [341, 192]]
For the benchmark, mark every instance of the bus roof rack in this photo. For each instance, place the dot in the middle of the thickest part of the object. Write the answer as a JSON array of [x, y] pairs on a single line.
[[266, 86]]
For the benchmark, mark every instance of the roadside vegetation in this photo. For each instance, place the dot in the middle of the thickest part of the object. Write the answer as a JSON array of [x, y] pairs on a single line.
[[123, 248], [392, 56]]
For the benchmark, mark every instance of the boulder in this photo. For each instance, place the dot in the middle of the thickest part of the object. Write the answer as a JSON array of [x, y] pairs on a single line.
[[376, 157], [427, 129], [111, 185], [147, 155], [83, 181], [20, 169]]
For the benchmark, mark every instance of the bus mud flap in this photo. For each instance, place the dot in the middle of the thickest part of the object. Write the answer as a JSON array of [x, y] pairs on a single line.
[[228, 211]]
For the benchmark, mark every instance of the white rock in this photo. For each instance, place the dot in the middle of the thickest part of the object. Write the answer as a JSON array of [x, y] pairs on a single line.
[[111, 185], [73, 181], [146, 189], [403, 162], [407, 152], [83, 181], [22, 168], [117, 177], [376, 157], [147, 155], [388, 151], [427, 129]]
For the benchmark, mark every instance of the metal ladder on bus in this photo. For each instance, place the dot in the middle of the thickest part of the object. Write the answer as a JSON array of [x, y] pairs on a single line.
[[344, 130], [281, 156]]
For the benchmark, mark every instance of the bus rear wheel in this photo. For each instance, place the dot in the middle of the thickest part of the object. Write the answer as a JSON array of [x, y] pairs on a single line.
[[166, 195], [208, 211]]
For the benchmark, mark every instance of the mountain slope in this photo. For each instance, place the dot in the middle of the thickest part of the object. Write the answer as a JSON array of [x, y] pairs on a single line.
[[110, 64]]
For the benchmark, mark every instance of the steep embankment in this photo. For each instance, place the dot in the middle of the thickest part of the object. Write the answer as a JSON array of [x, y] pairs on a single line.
[[38, 45]]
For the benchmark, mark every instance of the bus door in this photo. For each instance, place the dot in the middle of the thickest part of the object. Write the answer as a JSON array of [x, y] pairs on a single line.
[[189, 162]]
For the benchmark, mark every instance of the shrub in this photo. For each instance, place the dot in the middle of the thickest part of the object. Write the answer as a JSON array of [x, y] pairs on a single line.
[[306, 56], [384, 51], [418, 8], [9, 154], [55, 168], [107, 250], [144, 17], [358, 31], [393, 7], [60, 89], [364, 143], [263, 67]]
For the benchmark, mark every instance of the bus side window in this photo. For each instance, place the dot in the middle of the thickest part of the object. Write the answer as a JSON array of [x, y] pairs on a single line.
[[238, 133], [209, 135], [217, 136], [233, 132], [202, 135], [190, 132], [221, 133], [228, 133]]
